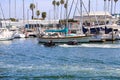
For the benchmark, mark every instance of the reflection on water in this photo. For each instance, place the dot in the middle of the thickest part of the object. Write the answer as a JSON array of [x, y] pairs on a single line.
[[5, 42], [87, 45]]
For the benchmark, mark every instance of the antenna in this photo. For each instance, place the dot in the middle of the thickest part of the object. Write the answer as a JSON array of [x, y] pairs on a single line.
[[9, 11], [15, 9], [23, 14], [89, 5], [111, 6]]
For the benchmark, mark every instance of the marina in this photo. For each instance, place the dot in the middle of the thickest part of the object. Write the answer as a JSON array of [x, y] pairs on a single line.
[[60, 40]]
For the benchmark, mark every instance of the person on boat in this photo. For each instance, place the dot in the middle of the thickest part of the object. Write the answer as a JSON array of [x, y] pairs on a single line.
[[50, 43]]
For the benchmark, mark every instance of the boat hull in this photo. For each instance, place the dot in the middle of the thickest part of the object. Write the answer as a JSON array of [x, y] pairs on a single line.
[[79, 39], [6, 35]]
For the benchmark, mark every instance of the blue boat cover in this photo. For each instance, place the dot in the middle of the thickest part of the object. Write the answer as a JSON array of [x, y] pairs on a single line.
[[65, 30]]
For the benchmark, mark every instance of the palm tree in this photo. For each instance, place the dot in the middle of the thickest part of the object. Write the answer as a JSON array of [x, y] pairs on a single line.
[[108, 4], [54, 4], [61, 2], [58, 3], [65, 6], [38, 13], [115, 6], [9, 8], [44, 15], [32, 7]]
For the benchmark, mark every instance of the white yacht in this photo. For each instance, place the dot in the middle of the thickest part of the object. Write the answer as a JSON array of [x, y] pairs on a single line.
[[5, 34]]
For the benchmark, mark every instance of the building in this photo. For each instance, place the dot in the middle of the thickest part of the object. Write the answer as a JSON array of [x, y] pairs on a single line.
[[22, 23], [93, 18]]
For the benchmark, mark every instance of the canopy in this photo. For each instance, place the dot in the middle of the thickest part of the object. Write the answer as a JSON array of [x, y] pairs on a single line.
[[65, 30]]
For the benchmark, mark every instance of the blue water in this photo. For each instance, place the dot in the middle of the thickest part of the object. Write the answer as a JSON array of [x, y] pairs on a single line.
[[26, 59]]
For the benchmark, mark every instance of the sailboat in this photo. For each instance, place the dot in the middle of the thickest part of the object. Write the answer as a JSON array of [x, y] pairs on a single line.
[[5, 33], [65, 38]]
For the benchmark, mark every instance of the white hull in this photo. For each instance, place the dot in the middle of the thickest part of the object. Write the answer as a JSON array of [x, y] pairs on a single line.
[[104, 37], [6, 35], [79, 39], [19, 36], [5, 39]]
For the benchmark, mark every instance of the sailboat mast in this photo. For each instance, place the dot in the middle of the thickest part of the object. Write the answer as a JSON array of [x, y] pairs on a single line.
[[96, 4], [15, 8], [111, 6], [66, 26], [23, 14], [89, 6], [66, 13], [81, 17], [9, 11], [105, 11]]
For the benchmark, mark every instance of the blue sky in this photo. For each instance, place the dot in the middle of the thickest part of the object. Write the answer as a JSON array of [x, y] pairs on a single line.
[[43, 5]]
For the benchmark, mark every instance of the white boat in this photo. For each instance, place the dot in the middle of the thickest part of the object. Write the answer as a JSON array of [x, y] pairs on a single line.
[[111, 36], [79, 38], [64, 39], [19, 34], [5, 34]]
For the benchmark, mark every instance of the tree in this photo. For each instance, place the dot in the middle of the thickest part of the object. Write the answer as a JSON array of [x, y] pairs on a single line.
[[58, 3], [115, 6], [32, 7], [54, 4], [61, 2], [38, 13], [108, 4], [44, 15], [65, 6]]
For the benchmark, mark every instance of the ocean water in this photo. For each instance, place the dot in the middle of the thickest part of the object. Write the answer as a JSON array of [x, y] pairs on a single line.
[[26, 59]]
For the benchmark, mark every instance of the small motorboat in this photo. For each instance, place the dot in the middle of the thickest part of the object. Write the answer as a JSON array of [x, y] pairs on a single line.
[[72, 43], [49, 44]]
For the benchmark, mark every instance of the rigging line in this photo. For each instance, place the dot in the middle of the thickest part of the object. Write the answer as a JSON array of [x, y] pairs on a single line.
[[3, 14], [75, 8], [89, 15], [86, 11], [70, 9], [81, 18], [96, 20]]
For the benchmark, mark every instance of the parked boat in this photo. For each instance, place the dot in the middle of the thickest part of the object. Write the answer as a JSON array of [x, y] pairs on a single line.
[[5, 34], [81, 38], [65, 38], [30, 33], [19, 34], [109, 33]]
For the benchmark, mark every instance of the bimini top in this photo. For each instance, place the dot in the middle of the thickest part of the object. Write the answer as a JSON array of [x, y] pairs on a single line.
[[65, 30]]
